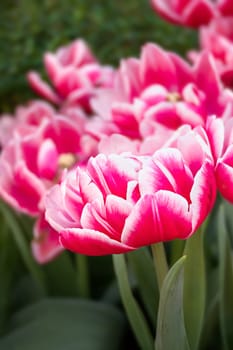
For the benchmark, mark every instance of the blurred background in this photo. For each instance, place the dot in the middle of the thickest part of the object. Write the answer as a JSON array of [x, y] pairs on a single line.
[[113, 29]]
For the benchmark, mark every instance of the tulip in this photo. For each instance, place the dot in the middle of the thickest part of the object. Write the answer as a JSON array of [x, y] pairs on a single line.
[[74, 73], [217, 38], [192, 13], [121, 202], [156, 94]]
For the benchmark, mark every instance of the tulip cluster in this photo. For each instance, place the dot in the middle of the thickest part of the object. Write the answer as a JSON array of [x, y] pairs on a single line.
[[121, 150], [113, 159]]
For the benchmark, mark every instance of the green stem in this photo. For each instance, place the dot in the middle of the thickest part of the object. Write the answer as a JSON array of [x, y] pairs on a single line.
[[160, 262], [134, 313], [23, 247], [83, 275]]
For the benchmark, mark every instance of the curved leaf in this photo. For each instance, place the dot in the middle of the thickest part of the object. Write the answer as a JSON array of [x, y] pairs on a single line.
[[170, 332], [194, 288]]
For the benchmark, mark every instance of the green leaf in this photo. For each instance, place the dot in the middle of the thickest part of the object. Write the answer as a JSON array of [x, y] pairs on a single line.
[[58, 324], [194, 288], [23, 247], [136, 317], [226, 282], [170, 333], [143, 268]]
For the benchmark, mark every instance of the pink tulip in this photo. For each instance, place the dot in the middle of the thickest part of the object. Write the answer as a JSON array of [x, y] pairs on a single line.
[[74, 74], [220, 134], [160, 91], [122, 202], [217, 38], [25, 119], [192, 13], [31, 163]]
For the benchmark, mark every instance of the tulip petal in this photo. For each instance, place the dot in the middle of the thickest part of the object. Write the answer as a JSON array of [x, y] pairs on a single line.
[[160, 217], [203, 194], [91, 242]]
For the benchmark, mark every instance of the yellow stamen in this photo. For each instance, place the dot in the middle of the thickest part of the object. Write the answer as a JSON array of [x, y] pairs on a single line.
[[66, 160], [173, 97]]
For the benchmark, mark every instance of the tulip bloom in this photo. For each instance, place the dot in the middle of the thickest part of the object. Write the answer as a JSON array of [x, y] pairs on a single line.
[[25, 119], [160, 91], [32, 162], [192, 13], [120, 202], [217, 38], [74, 73], [220, 134]]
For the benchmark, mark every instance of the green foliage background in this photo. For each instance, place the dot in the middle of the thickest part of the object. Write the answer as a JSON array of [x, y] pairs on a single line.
[[114, 29]]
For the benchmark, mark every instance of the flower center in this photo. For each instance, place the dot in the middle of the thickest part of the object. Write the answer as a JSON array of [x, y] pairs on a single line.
[[66, 160], [173, 97]]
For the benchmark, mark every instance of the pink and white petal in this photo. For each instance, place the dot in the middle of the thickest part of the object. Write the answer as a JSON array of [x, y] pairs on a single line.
[[156, 218], [47, 159], [163, 113], [157, 67], [190, 114], [128, 83], [165, 9], [42, 88], [94, 217], [91, 242], [215, 131], [117, 210], [171, 164], [152, 179], [199, 12], [112, 173], [118, 143], [55, 211], [224, 178], [190, 145], [52, 66], [203, 194], [45, 244], [21, 189], [183, 70], [208, 80]]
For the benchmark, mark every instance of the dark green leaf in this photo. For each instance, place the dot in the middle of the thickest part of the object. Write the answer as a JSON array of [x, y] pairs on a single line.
[[58, 324]]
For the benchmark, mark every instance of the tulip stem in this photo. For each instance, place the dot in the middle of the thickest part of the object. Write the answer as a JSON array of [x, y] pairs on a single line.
[[83, 275], [160, 262]]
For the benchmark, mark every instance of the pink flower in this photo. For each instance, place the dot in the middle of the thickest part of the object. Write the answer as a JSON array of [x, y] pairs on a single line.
[[31, 163], [217, 38], [159, 92], [192, 13], [120, 203], [25, 119], [74, 73], [220, 134]]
